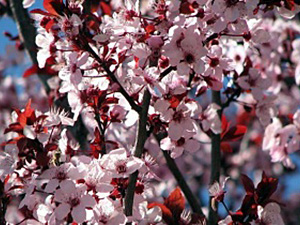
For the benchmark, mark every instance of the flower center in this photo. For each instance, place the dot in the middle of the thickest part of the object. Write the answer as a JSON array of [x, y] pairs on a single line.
[[103, 219], [129, 14], [178, 116], [74, 202], [180, 142], [121, 167], [189, 58], [230, 3], [61, 175], [214, 62]]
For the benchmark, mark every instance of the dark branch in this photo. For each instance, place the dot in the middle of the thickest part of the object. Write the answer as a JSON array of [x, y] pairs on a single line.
[[192, 200], [141, 138], [27, 34], [215, 159]]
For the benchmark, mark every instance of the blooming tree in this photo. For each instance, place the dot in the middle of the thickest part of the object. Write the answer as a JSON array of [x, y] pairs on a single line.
[[150, 112]]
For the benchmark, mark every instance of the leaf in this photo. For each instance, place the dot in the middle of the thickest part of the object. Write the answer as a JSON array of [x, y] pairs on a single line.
[[234, 133], [186, 8], [266, 187], [55, 7], [42, 159], [41, 12], [15, 127], [166, 212], [31, 71], [26, 117], [289, 4], [248, 184], [175, 202], [106, 9], [226, 148], [225, 125]]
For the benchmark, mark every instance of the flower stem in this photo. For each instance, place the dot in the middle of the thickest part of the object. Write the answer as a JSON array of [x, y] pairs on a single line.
[[215, 159], [226, 208]]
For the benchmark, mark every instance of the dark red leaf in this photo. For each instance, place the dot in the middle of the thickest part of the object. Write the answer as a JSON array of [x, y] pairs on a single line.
[[42, 159], [225, 147], [55, 7], [289, 4], [31, 71], [27, 116], [51, 147], [106, 9], [266, 187], [14, 127], [248, 184], [150, 28], [234, 133], [111, 100], [122, 56], [166, 212], [186, 8], [175, 202], [225, 125], [39, 11]]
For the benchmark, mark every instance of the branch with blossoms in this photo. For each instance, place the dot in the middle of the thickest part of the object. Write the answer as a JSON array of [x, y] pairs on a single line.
[[174, 96]]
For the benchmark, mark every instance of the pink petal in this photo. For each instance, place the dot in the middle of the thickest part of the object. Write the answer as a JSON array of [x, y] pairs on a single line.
[[175, 130], [192, 145], [79, 214], [62, 211]]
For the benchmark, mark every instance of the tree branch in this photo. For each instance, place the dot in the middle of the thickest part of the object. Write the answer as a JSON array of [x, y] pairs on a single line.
[[112, 76], [192, 200], [3, 203], [215, 159], [27, 34], [141, 138]]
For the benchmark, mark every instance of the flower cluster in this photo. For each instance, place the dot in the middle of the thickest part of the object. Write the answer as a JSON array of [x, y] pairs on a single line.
[[130, 79]]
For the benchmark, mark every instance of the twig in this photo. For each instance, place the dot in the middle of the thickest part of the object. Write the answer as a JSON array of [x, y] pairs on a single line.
[[112, 76], [102, 132], [166, 72], [192, 200]]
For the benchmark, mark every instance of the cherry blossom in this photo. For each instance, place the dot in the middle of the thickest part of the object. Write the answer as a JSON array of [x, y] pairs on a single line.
[[177, 147], [72, 199], [107, 212], [181, 50], [254, 82], [121, 103], [119, 164]]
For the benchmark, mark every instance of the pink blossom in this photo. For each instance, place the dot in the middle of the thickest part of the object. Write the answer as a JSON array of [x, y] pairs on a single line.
[[180, 122], [210, 119], [177, 147], [182, 51], [254, 82], [270, 214], [56, 175], [71, 74], [72, 199], [106, 212], [217, 63], [119, 164]]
